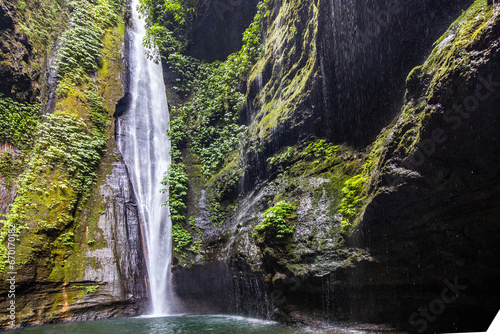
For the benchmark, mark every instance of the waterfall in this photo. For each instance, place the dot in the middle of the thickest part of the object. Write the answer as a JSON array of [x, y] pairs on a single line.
[[142, 140]]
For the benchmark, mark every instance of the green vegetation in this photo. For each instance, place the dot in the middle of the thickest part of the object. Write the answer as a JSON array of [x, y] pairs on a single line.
[[343, 174], [66, 239], [206, 125], [168, 25], [64, 159], [41, 25], [181, 239], [60, 175], [80, 51], [176, 180], [452, 55], [452, 52], [222, 189], [65, 142], [281, 101], [212, 113], [91, 289], [10, 167], [353, 197], [18, 122], [320, 149], [275, 221]]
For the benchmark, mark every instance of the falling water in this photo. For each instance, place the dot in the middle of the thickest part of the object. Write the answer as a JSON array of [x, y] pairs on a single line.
[[144, 145]]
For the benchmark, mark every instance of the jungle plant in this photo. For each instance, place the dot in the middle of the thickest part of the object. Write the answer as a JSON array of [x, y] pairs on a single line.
[[180, 238], [18, 122], [352, 199], [275, 220], [176, 182]]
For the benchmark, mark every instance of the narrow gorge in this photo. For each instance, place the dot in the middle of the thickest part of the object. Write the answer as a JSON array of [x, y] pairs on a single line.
[[322, 165]]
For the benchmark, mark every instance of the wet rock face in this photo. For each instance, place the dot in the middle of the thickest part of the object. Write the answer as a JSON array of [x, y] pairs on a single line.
[[339, 73], [99, 271], [121, 264], [6, 21], [432, 217], [366, 50], [221, 288], [107, 270], [218, 28], [15, 53], [437, 212]]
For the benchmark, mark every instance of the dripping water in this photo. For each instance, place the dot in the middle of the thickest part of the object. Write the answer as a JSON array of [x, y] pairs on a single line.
[[142, 140]]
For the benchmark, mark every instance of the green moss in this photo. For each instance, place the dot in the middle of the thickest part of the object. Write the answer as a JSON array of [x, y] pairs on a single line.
[[68, 295], [293, 75], [10, 167], [325, 171], [63, 169], [452, 52], [454, 56], [18, 122], [91, 289], [222, 189], [111, 70], [276, 221]]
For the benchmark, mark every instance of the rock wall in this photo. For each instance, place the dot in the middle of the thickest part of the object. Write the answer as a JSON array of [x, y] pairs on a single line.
[[103, 276], [92, 265], [219, 26], [423, 215]]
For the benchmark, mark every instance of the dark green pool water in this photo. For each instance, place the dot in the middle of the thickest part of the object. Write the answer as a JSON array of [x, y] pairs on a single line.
[[188, 324]]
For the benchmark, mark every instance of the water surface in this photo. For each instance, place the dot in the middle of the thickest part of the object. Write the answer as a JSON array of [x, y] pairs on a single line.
[[190, 324]]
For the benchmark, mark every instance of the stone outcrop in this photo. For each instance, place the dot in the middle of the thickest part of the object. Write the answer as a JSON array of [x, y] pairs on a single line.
[[92, 266], [426, 153], [219, 26], [104, 276]]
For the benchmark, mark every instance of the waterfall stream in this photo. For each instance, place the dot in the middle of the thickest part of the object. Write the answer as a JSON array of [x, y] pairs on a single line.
[[142, 140]]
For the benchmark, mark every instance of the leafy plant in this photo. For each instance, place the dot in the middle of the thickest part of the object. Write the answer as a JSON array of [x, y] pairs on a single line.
[[282, 158], [275, 220], [176, 181], [66, 146], [186, 69], [208, 121], [211, 115], [10, 166], [66, 142], [98, 113], [180, 238], [66, 155], [80, 50], [91, 289], [67, 239], [320, 149], [352, 198], [168, 25], [18, 122]]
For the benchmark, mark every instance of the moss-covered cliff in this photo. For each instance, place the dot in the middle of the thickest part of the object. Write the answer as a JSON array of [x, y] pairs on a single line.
[[331, 160], [70, 229], [377, 196]]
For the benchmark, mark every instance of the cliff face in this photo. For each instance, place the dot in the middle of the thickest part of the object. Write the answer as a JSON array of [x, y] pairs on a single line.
[[383, 218], [218, 27], [78, 254], [378, 183]]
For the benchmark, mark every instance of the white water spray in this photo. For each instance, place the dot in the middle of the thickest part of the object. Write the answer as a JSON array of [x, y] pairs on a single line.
[[142, 140]]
